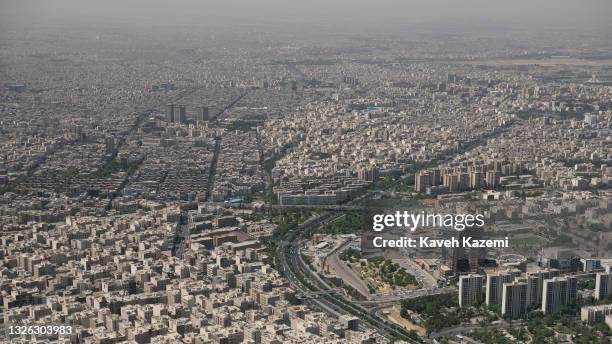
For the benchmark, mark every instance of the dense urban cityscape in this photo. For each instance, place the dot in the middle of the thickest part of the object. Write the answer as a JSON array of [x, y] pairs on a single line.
[[194, 184]]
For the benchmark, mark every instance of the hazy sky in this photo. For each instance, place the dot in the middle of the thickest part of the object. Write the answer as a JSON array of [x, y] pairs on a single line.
[[568, 14]]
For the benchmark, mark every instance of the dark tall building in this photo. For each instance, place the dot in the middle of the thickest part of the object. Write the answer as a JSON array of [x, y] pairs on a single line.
[[203, 114], [110, 145], [466, 259], [170, 117], [182, 114]]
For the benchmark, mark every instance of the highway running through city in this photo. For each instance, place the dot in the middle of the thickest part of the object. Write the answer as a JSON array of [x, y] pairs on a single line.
[[306, 281]]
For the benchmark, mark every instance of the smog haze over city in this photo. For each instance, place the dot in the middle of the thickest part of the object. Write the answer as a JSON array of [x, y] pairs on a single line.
[[268, 171]]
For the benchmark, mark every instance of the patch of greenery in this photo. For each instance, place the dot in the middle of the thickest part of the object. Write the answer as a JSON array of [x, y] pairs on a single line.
[[352, 292], [588, 283], [597, 227], [15, 185], [391, 273], [442, 311], [241, 125], [255, 217], [542, 328], [285, 221], [429, 305], [352, 222], [437, 311]]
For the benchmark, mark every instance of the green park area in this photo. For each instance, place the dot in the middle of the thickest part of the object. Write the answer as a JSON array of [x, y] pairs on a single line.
[[387, 273]]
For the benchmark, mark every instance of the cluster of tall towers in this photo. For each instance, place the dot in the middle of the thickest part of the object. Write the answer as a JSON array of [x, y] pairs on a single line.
[[181, 116], [517, 292], [464, 178]]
